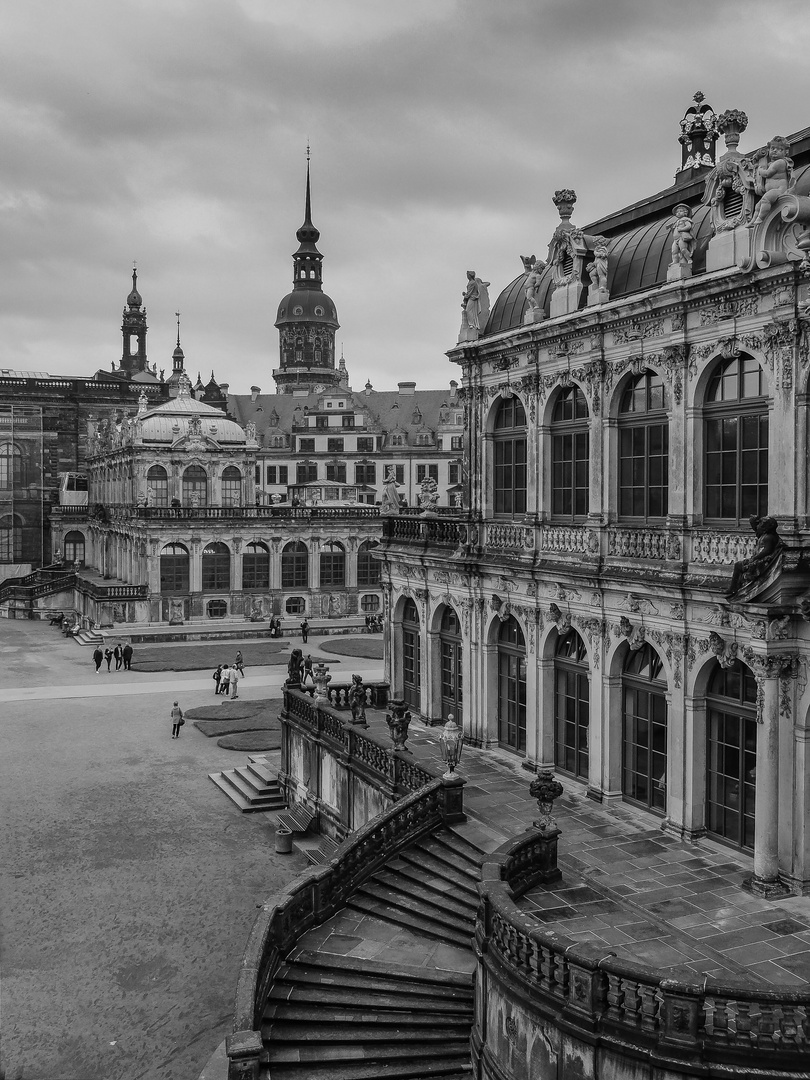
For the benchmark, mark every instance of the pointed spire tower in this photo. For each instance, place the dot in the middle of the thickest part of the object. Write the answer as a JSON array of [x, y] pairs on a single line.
[[178, 363], [133, 329], [307, 318]]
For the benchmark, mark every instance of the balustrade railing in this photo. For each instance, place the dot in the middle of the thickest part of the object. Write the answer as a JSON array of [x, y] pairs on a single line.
[[625, 1000], [501, 536], [721, 548], [122, 512], [112, 592], [426, 531], [657, 544], [39, 583], [562, 539]]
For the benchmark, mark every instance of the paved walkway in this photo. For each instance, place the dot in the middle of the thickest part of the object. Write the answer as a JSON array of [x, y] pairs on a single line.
[[646, 896]]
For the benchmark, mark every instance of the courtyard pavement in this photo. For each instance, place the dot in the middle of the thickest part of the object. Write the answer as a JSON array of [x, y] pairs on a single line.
[[128, 882]]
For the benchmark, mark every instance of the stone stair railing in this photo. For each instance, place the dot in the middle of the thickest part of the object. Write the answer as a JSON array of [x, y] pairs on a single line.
[[321, 892], [623, 1004]]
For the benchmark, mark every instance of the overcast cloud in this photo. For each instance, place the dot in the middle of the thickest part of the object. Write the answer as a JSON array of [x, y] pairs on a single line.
[[174, 132]]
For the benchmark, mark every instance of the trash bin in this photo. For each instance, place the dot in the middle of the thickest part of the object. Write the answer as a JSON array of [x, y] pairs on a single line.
[[283, 840]]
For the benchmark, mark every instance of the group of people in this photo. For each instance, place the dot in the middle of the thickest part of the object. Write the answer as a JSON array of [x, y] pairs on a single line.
[[122, 654], [373, 623], [275, 627], [226, 677]]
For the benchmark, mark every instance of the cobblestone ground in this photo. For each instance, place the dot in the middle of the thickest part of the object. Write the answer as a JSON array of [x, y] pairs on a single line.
[[128, 882]]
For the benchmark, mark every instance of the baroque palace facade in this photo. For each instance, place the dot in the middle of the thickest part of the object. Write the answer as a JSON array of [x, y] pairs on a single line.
[[626, 600]]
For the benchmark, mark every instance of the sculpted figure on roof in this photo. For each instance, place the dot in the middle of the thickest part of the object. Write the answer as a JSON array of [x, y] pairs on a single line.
[[773, 177], [533, 284], [683, 238], [474, 306]]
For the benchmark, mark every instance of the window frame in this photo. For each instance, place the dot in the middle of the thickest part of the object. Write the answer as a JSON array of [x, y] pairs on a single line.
[[641, 425]]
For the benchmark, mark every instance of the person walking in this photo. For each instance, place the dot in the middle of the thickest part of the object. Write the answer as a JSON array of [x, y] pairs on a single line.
[[177, 720], [126, 653], [239, 663], [108, 655], [304, 631], [118, 657], [98, 656], [236, 675], [225, 680], [217, 676], [307, 677]]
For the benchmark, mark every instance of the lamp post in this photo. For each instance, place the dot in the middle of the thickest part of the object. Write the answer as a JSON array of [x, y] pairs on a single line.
[[451, 743]]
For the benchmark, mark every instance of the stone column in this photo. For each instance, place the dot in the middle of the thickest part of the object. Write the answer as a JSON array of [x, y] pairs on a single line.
[[765, 880], [612, 737]]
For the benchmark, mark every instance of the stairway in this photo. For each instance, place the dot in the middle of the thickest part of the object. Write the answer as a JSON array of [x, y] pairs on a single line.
[[252, 787], [384, 988]]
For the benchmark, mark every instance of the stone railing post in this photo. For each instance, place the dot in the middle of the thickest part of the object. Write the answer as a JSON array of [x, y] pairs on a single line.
[[244, 1050]]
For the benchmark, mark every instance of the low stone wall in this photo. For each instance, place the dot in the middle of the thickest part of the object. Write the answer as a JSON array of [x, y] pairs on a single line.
[[547, 1006], [339, 770]]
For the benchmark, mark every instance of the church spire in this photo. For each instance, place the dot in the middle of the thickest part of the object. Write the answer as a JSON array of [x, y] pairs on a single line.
[[307, 260], [133, 329]]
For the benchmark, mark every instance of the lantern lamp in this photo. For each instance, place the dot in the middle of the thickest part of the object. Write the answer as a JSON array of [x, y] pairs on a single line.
[[451, 742]]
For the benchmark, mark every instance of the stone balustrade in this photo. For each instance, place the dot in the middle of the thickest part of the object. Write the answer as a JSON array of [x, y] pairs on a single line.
[[123, 512], [424, 531], [659, 544], [722, 549], [564, 539], [623, 1010], [503, 536]]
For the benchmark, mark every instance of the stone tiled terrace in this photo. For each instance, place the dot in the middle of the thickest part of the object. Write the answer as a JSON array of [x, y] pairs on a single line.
[[647, 897]]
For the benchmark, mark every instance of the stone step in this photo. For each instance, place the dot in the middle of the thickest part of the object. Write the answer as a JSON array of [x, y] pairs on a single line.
[[394, 906], [309, 965], [418, 872], [262, 786], [89, 637], [282, 1029], [247, 801], [391, 1070], [349, 1012], [452, 849], [322, 852], [434, 894], [252, 788], [454, 1052], [377, 1000], [263, 772]]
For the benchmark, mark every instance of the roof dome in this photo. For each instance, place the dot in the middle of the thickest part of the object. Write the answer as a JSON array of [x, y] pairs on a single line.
[[134, 300], [171, 421], [303, 305]]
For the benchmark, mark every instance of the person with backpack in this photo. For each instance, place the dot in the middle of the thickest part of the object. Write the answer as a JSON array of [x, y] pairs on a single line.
[[217, 676], [239, 663], [225, 680], [304, 631], [177, 720]]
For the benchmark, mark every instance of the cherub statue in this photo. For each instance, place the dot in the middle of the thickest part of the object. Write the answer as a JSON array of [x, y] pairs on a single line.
[[683, 238], [768, 546], [773, 177], [598, 269], [357, 700], [533, 284]]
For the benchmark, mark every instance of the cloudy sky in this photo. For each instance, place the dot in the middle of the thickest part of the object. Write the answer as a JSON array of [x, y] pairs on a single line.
[[174, 132]]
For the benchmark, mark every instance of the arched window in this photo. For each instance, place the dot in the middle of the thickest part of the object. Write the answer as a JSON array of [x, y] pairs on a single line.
[[216, 568], [256, 567], [231, 486], [174, 577], [295, 566], [74, 546], [643, 449], [731, 755], [11, 538], [509, 458], [411, 652], [195, 486], [11, 466], [644, 735], [157, 486], [333, 565], [450, 650], [511, 686], [570, 445], [736, 434], [368, 569], [571, 705]]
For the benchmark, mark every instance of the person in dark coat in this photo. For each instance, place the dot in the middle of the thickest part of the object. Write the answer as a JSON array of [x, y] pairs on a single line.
[[126, 653], [304, 631], [98, 656], [117, 654], [108, 655], [217, 678]]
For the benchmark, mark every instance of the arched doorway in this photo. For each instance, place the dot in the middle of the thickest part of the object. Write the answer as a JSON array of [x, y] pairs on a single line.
[[511, 686], [157, 486], [231, 486], [195, 486], [644, 729], [74, 547], [256, 566], [174, 576], [216, 567], [731, 755], [450, 652], [295, 566], [571, 705], [411, 656]]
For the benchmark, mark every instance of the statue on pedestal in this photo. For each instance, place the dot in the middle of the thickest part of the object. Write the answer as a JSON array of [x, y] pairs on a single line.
[[474, 306], [389, 503], [773, 177], [683, 238], [768, 546], [533, 287]]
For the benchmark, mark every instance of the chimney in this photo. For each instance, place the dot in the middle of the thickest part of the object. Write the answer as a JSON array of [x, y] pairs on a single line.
[[453, 388], [407, 389], [254, 392], [224, 388]]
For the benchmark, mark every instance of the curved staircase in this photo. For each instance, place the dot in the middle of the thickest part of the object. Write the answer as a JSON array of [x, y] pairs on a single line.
[[384, 987]]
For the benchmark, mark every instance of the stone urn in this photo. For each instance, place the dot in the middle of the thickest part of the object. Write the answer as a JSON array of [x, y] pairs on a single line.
[[545, 789], [398, 720], [322, 678]]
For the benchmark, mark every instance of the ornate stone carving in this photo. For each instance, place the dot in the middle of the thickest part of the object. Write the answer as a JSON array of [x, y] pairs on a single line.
[[560, 620], [769, 544], [772, 177], [638, 331], [474, 308], [639, 604], [683, 243]]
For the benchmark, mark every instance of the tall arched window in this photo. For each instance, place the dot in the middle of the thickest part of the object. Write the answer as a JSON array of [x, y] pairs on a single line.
[[509, 458], [571, 705], [411, 654], [231, 486], [216, 567], [74, 546], [11, 466], [195, 486], [157, 486], [511, 686], [570, 444], [333, 565], [731, 755], [174, 576], [643, 449], [256, 567], [450, 651], [11, 537], [368, 568], [644, 735], [736, 432], [295, 566]]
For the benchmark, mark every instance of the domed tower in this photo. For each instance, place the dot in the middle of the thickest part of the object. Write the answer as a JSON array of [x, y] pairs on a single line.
[[133, 329], [307, 319]]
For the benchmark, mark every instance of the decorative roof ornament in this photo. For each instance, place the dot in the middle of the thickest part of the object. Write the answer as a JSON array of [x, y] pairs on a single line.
[[731, 124], [184, 386], [564, 199], [698, 135], [143, 403]]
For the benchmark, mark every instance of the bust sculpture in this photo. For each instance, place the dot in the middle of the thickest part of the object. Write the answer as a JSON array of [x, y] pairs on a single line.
[[768, 546]]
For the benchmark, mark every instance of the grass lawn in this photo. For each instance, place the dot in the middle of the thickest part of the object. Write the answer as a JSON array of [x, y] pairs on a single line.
[[207, 654], [365, 646]]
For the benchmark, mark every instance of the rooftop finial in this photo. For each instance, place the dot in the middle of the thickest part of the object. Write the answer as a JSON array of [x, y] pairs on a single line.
[[177, 314]]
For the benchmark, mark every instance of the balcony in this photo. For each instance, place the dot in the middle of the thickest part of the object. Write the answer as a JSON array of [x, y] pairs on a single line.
[[120, 512]]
